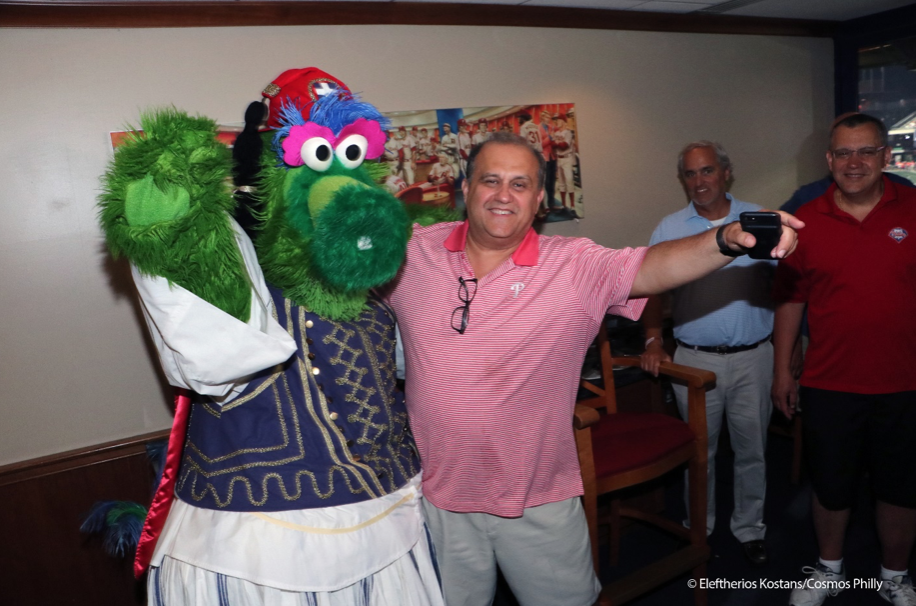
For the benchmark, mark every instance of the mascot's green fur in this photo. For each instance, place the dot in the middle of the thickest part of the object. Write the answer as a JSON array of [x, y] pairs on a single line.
[[326, 237], [311, 255], [164, 206]]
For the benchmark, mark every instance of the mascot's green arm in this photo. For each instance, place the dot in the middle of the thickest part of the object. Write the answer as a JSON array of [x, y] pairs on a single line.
[[165, 206]]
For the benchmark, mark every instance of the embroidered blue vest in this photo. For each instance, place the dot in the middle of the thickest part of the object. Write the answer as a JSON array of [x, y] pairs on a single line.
[[328, 427]]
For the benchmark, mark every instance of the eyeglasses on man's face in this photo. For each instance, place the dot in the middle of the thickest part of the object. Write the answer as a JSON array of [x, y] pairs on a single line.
[[864, 153], [466, 291]]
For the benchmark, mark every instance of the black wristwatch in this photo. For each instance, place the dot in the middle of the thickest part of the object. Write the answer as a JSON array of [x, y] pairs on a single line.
[[723, 247]]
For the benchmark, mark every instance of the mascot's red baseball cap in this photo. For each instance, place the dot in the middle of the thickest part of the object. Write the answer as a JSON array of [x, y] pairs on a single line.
[[302, 87]]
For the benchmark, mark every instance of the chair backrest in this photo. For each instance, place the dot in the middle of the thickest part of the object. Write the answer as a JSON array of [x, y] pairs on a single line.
[[696, 380], [606, 395]]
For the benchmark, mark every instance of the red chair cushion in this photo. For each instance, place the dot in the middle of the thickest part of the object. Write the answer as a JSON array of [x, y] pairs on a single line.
[[628, 440]]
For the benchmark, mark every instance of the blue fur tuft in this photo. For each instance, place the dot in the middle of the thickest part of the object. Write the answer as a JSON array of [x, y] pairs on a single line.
[[95, 519], [121, 523], [334, 110]]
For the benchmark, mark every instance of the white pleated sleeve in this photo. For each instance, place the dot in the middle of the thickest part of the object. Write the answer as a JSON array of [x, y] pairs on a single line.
[[204, 349]]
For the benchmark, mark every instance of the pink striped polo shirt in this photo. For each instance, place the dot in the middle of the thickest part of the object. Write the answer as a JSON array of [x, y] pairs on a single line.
[[491, 409]]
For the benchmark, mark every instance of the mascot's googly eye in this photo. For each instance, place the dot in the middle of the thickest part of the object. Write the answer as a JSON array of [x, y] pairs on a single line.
[[352, 150], [317, 154]]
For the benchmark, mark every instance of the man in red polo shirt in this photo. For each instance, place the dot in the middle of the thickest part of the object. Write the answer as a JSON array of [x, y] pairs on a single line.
[[855, 268], [495, 323]]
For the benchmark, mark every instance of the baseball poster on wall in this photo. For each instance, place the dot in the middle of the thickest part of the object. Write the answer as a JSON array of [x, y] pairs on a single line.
[[427, 152]]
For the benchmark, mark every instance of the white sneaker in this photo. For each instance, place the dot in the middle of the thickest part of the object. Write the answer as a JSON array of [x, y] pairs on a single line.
[[821, 582], [898, 591]]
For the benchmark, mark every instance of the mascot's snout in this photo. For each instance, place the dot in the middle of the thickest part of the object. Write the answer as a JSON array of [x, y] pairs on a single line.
[[360, 238]]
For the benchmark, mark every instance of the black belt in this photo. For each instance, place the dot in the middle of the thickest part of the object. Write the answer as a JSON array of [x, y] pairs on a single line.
[[724, 349]]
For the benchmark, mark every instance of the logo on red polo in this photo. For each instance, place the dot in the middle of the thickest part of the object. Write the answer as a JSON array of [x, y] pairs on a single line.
[[898, 234]]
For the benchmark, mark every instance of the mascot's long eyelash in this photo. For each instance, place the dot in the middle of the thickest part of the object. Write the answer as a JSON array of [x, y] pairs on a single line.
[[334, 110]]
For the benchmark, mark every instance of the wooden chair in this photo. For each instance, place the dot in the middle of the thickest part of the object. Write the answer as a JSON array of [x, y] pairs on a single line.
[[619, 449]]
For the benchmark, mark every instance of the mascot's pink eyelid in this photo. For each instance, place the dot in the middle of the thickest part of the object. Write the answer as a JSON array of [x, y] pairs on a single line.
[[298, 135]]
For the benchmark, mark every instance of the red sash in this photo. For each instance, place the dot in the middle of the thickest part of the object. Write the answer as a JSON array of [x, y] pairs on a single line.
[[162, 500]]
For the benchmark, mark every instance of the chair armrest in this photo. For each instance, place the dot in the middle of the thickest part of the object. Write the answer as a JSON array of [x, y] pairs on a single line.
[[698, 381], [583, 417], [693, 377]]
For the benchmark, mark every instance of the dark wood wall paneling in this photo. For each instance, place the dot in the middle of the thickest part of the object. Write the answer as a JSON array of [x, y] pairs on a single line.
[[248, 13], [45, 560]]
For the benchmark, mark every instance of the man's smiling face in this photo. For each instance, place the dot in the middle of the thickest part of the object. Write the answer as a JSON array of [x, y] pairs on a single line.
[[857, 175], [502, 196], [705, 181]]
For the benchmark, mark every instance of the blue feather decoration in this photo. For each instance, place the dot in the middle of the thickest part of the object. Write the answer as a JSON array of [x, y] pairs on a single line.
[[120, 523], [95, 520], [337, 111]]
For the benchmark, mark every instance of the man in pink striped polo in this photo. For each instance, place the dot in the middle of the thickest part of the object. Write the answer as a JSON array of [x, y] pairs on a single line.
[[495, 321]]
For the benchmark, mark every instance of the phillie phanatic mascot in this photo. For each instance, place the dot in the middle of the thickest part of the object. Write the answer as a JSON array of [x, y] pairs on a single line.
[[294, 475]]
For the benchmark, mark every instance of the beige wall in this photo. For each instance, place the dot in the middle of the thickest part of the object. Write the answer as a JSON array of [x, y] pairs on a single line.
[[75, 368]]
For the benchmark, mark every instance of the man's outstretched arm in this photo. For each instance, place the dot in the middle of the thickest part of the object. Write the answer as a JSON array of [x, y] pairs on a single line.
[[670, 264]]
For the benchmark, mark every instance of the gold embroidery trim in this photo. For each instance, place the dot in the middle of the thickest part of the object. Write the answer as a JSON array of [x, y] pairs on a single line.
[[321, 420], [385, 396], [345, 469], [216, 412], [247, 483], [284, 430], [314, 530]]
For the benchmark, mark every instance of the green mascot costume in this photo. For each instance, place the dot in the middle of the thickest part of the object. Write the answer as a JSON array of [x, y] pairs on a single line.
[[294, 474]]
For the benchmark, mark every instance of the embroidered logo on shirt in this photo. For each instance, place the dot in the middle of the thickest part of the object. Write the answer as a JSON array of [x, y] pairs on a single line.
[[516, 287], [898, 234]]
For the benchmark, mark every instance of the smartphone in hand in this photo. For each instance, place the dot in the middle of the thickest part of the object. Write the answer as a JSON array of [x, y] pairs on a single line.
[[766, 227]]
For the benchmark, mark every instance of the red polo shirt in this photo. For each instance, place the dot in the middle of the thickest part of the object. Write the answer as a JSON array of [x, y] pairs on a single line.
[[491, 409], [859, 281]]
